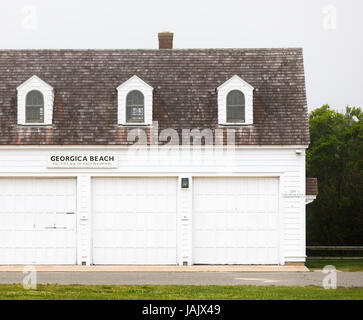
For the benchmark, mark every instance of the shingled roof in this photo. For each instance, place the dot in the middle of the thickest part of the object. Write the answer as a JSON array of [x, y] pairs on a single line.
[[311, 186], [184, 82]]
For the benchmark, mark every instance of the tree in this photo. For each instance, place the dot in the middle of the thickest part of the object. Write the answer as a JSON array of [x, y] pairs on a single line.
[[335, 157]]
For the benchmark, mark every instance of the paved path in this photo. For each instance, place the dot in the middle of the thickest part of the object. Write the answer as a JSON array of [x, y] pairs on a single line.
[[142, 268], [344, 279]]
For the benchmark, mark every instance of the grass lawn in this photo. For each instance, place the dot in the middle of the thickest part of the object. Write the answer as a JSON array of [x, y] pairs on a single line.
[[172, 292], [342, 265]]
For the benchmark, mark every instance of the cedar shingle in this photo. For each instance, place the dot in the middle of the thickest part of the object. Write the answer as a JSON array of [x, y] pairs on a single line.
[[311, 186], [184, 82]]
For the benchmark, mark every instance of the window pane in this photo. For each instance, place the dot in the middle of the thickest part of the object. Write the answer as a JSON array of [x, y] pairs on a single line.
[[135, 114], [235, 97], [135, 107], [35, 98], [34, 114], [235, 114], [34, 107], [135, 98], [235, 106]]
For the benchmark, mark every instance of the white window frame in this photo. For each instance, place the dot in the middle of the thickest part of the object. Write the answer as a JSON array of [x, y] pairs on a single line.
[[37, 84], [135, 83], [235, 83]]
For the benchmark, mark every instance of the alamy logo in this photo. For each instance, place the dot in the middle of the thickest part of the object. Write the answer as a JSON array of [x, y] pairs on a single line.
[[30, 18], [330, 17], [212, 147], [30, 279], [330, 280]]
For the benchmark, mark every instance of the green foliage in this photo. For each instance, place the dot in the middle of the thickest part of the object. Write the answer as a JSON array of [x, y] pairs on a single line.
[[341, 265], [175, 292], [335, 158]]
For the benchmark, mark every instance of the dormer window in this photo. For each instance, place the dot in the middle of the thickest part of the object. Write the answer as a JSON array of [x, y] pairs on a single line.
[[35, 102], [34, 107], [235, 107], [235, 102], [135, 102]]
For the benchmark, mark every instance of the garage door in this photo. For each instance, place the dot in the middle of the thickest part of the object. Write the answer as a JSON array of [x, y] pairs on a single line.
[[37, 221], [134, 220], [235, 221]]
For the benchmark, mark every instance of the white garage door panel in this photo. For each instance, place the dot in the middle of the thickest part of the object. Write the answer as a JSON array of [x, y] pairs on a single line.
[[235, 221], [37, 221], [134, 220]]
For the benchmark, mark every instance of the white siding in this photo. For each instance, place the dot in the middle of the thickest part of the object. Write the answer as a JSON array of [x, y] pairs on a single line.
[[283, 163], [134, 221], [135, 83], [235, 221], [35, 83], [235, 83], [37, 221]]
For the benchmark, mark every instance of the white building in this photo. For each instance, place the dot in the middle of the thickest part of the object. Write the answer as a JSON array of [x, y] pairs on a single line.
[[165, 156]]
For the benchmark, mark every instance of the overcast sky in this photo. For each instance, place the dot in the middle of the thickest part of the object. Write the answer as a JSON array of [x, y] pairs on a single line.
[[331, 32]]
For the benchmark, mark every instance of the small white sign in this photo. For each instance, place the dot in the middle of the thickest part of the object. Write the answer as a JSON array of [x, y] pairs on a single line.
[[95, 161], [292, 194]]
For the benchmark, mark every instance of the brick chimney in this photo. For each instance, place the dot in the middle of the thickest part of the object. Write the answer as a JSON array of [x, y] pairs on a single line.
[[166, 40]]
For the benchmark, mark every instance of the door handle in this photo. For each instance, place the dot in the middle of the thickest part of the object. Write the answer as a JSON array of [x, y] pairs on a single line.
[[55, 227]]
